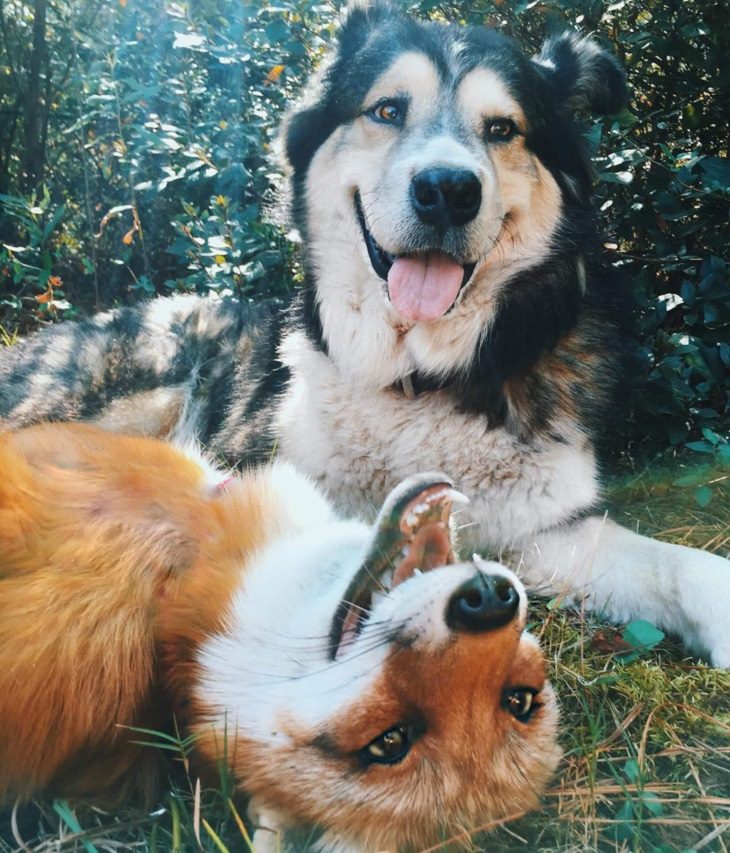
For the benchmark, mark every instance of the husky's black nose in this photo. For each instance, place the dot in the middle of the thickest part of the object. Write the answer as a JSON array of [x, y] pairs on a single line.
[[481, 603], [446, 197]]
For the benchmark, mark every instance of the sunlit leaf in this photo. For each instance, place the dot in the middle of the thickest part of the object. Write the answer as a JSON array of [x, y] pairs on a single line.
[[642, 635], [274, 74]]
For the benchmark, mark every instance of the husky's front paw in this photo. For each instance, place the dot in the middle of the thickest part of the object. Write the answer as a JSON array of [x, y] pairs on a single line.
[[704, 598]]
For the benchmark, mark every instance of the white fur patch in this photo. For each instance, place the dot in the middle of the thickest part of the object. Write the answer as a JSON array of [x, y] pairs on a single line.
[[273, 661], [359, 444]]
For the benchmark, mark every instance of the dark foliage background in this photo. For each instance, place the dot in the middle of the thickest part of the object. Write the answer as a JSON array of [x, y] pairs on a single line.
[[136, 158]]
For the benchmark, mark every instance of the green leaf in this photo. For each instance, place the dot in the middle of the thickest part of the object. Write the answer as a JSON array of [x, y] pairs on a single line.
[[700, 446], [608, 678], [703, 495], [626, 812], [716, 171], [642, 635], [276, 31], [711, 436], [631, 770], [623, 177], [69, 818], [652, 803], [626, 118], [693, 478]]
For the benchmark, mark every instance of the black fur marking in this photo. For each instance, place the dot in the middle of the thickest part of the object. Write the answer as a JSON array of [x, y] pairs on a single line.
[[535, 311], [325, 743], [538, 311], [583, 75], [574, 519], [307, 315], [258, 380], [267, 377]]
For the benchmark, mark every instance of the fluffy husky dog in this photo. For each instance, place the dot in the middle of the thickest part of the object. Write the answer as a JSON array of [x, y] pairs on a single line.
[[457, 315], [351, 679]]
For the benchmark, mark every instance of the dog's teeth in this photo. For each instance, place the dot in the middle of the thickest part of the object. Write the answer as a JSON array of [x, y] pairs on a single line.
[[378, 597], [457, 497], [386, 579], [417, 572]]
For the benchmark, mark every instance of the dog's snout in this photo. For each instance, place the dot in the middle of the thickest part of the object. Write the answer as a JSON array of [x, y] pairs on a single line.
[[482, 603], [446, 197]]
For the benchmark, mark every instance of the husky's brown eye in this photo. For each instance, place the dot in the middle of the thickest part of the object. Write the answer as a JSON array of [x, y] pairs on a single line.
[[389, 112], [389, 748], [500, 130], [521, 703]]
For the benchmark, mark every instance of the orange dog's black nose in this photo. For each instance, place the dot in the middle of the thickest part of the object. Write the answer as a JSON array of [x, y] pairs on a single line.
[[482, 603]]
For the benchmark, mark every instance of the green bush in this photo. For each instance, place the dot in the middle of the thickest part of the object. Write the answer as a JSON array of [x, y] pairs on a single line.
[[150, 167]]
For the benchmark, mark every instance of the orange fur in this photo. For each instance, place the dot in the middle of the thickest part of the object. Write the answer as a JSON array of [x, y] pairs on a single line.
[[99, 534], [471, 761], [121, 561]]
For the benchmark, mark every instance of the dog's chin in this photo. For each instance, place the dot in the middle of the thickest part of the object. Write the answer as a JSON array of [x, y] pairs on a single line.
[[422, 283]]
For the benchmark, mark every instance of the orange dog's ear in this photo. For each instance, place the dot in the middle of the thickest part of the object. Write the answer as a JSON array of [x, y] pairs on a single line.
[[93, 529]]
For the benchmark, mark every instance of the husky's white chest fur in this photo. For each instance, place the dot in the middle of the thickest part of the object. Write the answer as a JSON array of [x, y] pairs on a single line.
[[358, 443]]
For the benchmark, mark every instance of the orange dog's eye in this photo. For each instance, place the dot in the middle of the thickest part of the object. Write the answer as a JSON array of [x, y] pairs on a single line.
[[521, 703], [390, 747]]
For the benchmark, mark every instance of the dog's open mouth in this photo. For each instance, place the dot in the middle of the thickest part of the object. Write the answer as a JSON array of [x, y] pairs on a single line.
[[423, 285], [412, 535]]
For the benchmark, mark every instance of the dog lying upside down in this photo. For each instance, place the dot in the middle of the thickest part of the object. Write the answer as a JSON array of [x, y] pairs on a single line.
[[351, 679]]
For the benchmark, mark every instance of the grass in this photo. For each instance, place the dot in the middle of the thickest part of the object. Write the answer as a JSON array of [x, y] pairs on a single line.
[[647, 742], [8, 337]]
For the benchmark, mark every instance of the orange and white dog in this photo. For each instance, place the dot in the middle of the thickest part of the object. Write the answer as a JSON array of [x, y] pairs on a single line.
[[355, 683]]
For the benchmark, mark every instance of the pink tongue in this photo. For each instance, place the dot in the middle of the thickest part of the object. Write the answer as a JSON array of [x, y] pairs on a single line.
[[424, 287]]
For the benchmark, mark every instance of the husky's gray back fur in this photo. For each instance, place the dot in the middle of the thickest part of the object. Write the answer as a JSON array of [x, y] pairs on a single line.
[[186, 368]]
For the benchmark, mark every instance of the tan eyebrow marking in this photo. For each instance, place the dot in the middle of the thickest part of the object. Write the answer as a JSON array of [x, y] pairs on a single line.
[[482, 94], [412, 75]]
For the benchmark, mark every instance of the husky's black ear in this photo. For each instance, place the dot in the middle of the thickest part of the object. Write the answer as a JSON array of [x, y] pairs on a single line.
[[360, 16], [303, 132], [584, 74], [371, 11]]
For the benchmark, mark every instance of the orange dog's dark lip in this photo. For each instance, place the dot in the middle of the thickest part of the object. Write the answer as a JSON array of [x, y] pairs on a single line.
[[418, 517]]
